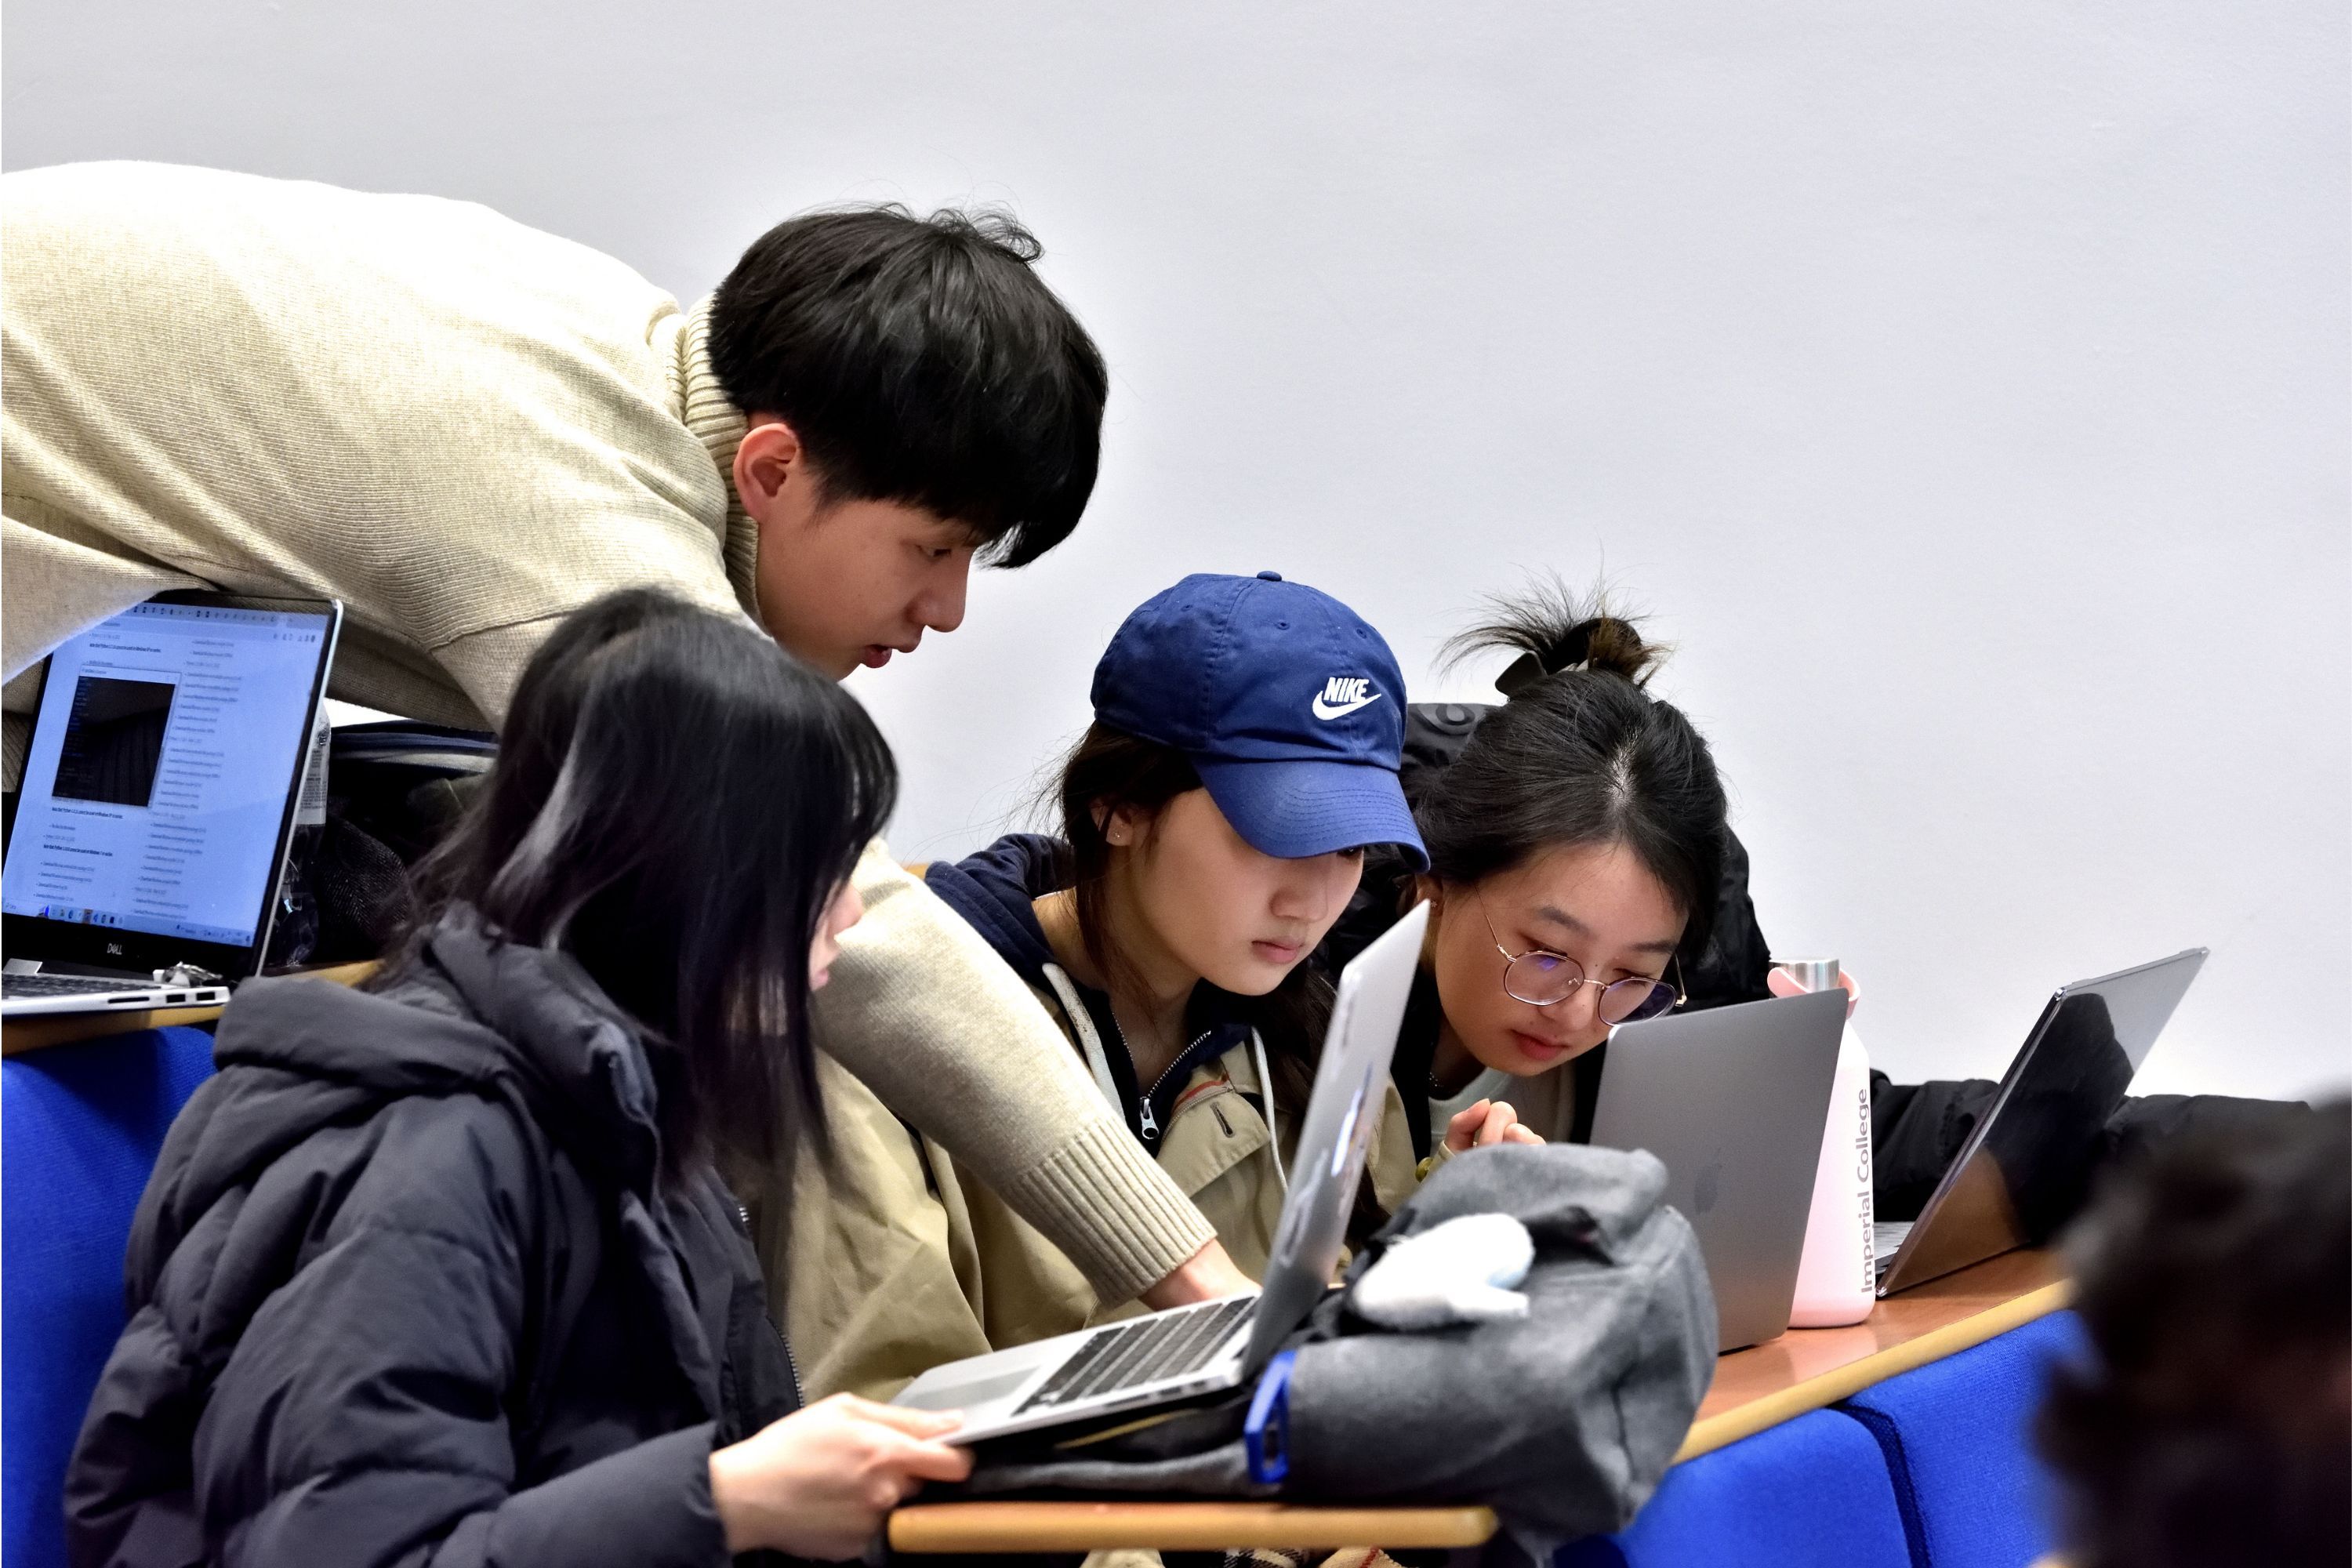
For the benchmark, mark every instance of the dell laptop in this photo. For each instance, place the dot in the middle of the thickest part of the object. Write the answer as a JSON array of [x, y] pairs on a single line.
[[2028, 1164], [1162, 1357], [1734, 1101], [158, 791]]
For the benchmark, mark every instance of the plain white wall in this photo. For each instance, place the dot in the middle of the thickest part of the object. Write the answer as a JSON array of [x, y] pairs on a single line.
[[1964, 389]]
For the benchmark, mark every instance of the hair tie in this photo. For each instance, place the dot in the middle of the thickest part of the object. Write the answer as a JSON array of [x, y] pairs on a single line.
[[1525, 672], [1574, 648]]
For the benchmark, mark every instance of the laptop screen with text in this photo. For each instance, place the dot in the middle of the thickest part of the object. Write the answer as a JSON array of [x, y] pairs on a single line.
[[155, 793]]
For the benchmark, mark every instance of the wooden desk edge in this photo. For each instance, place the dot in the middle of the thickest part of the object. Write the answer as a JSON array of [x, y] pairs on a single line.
[[1205, 1526], [1841, 1382], [38, 1033]]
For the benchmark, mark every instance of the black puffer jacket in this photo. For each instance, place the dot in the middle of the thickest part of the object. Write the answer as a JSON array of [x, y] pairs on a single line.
[[405, 1289]]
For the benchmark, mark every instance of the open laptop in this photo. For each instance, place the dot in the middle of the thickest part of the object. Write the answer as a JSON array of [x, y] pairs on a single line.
[[158, 791], [2026, 1167], [1162, 1357], [1734, 1103]]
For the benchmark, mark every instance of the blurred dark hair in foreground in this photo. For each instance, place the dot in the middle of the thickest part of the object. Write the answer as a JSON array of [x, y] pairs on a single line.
[[2214, 1424]]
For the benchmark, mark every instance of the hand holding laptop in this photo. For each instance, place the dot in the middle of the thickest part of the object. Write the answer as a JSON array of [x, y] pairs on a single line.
[[818, 1483]]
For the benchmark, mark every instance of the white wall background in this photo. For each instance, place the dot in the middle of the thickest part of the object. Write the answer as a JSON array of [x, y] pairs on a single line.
[[1963, 388]]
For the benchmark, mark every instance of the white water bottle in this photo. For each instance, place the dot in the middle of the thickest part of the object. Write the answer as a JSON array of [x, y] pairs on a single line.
[[1837, 1280]]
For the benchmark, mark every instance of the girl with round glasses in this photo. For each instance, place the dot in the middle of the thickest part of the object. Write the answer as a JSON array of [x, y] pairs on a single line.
[[1578, 869], [1581, 875]]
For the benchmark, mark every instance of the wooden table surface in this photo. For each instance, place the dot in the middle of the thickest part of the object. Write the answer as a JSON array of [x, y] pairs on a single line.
[[1809, 1369], [1178, 1526], [1803, 1370]]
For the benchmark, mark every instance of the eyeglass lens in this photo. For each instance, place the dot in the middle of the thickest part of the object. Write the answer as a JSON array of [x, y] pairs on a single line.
[[1544, 979]]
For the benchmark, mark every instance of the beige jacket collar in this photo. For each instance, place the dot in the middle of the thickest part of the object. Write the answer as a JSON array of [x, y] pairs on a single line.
[[719, 425]]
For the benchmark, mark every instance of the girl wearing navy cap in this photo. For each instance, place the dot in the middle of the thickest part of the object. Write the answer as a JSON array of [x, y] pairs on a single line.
[[1215, 818]]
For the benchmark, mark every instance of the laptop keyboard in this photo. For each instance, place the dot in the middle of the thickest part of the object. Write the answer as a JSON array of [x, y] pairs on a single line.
[[1884, 1238], [1147, 1350], [67, 985]]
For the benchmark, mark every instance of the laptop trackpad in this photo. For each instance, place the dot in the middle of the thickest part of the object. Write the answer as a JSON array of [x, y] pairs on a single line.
[[964, 1396]]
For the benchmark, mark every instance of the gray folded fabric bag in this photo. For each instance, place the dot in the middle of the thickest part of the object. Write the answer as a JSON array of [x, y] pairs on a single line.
[[1562, 1422]]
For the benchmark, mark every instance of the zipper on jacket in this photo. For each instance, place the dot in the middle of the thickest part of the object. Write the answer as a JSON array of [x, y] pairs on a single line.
[[792, 1366], [1148, 1120]]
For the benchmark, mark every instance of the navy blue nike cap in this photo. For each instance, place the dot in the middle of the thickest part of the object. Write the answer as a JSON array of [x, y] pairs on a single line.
[[1289, 707]]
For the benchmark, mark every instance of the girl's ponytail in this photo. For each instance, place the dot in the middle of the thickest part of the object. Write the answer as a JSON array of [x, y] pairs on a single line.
[[1554, 631], [1577, 754]]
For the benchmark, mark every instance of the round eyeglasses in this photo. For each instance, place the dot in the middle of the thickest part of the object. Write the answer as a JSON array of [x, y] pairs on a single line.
[[1542, 978]]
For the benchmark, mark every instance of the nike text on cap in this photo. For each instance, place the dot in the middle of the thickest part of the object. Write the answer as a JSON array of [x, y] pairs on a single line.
[[1288, 705]]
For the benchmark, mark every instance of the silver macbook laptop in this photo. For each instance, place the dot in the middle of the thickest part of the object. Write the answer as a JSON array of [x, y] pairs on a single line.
[[1162, 1357], [1734, 1101], [2026, 1165], [158, 795]]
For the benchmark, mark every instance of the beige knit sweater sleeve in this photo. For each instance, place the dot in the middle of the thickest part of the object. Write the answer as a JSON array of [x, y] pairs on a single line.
[[941, 1029], [944, 1033]]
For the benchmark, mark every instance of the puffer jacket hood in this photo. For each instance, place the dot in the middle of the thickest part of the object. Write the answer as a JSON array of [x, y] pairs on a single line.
[[478, 1016]]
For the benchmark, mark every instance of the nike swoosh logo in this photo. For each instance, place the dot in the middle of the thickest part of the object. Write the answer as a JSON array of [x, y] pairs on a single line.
[[1324, 710]]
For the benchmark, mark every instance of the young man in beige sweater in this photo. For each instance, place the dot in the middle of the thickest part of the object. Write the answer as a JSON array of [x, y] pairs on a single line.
[[464, 428]]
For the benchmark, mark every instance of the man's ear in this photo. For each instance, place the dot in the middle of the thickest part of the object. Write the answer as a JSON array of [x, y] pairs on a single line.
[[772, 470]]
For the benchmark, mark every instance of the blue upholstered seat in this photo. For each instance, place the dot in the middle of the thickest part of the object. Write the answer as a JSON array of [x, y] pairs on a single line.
[[80, 1128], [1958, 1436], [1810, 1491]]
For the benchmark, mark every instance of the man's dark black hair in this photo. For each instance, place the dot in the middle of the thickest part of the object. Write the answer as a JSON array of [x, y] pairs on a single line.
[[920, 361], [2213, 1423]]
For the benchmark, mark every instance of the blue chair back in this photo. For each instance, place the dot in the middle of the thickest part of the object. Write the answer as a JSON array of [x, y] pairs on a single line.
[[1813, 1490], [1958, 1436], [81, 1126]]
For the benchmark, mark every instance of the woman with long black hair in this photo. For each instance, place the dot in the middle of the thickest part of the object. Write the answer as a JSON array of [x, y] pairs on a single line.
[[445, 1269]]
